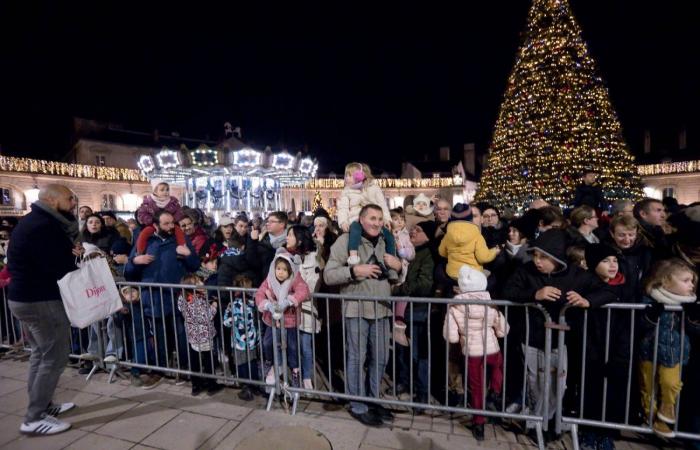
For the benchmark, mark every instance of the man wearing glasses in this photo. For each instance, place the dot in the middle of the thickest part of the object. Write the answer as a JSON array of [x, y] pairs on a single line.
[[274, 238], [41, 252]]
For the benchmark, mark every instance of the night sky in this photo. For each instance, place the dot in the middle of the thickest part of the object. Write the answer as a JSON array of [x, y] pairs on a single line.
[[354, 83]]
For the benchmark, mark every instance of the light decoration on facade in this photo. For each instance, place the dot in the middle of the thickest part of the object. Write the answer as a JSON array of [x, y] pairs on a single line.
[[204, 156], [387, 183], [247, 157], [146, 164], [283, 161], [167, 159], [306, 165], [42, 167], [669, 168]]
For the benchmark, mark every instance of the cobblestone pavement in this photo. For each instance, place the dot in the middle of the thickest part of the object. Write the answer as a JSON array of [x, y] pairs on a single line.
[[119, 416]]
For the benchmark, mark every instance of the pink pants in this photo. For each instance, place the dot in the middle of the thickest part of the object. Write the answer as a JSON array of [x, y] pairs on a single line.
[[494, 362]]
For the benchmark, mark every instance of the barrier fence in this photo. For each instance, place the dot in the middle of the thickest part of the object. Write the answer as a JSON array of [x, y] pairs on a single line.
[[337, 353]]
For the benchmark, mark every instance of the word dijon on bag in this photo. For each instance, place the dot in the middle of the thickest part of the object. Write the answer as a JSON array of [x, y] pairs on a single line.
[[95, 291]]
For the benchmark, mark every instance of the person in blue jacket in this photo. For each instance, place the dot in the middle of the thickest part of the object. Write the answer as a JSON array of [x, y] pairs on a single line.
[[159, 264]]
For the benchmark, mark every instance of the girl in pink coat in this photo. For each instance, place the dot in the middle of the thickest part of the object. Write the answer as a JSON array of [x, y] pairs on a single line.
[[477, 329], [278, 298]]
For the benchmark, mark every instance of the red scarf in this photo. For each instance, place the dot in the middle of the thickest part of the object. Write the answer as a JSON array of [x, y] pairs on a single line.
[[618, 280]]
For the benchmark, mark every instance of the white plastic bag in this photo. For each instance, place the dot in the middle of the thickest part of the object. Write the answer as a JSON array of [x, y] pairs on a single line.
[[89, 294]]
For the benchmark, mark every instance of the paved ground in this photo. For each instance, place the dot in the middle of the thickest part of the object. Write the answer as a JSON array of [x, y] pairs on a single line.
[[119, 416]]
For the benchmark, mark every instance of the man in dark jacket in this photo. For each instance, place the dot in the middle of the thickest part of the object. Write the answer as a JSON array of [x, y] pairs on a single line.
[[274, 238], [419, 283], [41, 252], [589, 193], [159, 264], [651, 216]]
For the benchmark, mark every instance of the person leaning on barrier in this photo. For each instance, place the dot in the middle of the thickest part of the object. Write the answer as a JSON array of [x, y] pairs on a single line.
[[551, 282], [42, 251], [367, 323]]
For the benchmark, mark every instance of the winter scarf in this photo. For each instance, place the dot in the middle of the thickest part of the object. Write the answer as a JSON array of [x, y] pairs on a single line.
[[661, 295], [512, 249], [67, 220], [277, 241], [161, 202]]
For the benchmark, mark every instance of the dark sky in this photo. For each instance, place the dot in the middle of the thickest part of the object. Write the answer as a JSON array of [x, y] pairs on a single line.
[[354, 83]]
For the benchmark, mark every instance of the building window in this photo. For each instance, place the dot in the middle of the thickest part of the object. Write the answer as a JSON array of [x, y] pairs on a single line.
[[669, 192], [6, 197], [100, 160], [108, 202]]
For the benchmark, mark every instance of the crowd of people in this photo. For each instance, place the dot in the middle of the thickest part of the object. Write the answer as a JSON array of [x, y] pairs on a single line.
[[571, 262]]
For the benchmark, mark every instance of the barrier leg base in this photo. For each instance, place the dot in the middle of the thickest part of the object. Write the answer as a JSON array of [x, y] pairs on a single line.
[[92, 371], [295, 402], [270, 399], [114, 370], [574, 435], [540, 436]]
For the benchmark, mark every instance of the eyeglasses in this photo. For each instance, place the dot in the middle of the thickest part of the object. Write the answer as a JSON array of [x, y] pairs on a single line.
[[273, 221]]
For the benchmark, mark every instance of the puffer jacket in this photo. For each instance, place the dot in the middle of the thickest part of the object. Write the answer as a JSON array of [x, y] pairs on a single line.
[[669, 343], [471, 335], [464, 244], [311, 273], [352, 201], [199, 321], [298, 293], [337, 273]]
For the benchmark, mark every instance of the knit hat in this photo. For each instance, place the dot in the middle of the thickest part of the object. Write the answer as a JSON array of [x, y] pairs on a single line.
[[526, 225], [104, 214], [320, 219], [421, 198], [595, 253], [209, 254], [461, 211], [428, 227], [687, 224], [552, 243], [471, 280]]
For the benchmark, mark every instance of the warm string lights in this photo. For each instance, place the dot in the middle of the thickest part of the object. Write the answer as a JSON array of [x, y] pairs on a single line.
[[384, 183], [12, 164], [556, 120], [670, 167]]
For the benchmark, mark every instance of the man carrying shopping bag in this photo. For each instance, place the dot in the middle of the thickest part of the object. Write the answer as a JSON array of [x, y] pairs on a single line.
[[42, 251]]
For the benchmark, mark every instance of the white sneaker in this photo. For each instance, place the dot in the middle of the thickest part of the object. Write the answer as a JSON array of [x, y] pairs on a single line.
[[308, 384], [88, 357], [353, 260], [46, 426], [111, 359], [56, 410], [270, 377]]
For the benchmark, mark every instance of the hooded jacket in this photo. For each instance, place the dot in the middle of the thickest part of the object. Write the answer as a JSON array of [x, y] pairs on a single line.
[[352, 200], [464, 244], [294, 289], [527, 280]]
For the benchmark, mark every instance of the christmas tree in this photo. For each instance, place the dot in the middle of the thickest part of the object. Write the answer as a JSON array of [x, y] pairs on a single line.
[[556, 120], [317, 203]]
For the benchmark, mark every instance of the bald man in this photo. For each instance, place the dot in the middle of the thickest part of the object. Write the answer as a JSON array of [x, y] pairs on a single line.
[[41, 252]]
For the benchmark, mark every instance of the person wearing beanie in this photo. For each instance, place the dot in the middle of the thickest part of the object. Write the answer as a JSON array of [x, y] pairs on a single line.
[[418, 283], [602, 260], [551, 282], [464, 244], [421, 211], [160, 200], [466, 324]]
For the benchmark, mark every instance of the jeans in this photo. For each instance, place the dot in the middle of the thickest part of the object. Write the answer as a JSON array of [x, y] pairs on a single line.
[[307, 355], [535, 363], [419, 352], [356, 237], [115, 343], [292, 352], [361, 336], [46, 327]]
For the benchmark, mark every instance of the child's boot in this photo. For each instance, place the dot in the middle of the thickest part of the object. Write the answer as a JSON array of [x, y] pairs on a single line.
[[400, 334], [666, 414]]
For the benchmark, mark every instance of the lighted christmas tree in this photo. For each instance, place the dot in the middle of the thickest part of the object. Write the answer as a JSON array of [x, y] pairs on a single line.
[[556, 120], [317, 203]]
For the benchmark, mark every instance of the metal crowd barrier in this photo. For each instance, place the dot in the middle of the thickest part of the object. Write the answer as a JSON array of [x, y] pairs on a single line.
[[148, 341], [609, 369]]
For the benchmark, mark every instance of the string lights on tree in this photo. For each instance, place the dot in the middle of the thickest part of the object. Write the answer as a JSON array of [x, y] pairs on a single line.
[[555, 121]]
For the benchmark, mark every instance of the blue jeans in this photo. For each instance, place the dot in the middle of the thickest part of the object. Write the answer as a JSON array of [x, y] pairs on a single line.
[[114, 345], [356, 237], [292, 355], [361, 336], [307, 355], [419, 353]]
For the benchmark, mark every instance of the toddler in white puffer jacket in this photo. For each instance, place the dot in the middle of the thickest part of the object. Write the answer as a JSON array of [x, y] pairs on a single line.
[[477, 329]]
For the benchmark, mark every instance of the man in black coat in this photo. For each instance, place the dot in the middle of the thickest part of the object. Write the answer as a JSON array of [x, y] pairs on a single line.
[[41, 252], [589, 193]]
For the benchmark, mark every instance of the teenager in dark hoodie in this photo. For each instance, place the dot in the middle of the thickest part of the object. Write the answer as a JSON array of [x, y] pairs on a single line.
[[549, 281]]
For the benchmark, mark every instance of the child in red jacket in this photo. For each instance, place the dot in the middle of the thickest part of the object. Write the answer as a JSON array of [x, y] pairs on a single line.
[[278, 298]]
